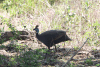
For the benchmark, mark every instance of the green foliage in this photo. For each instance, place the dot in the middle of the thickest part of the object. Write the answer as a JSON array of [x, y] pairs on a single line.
[[72, 64], [27, 59], [18, 47], [94, 49], [2, 46], [7, 22], [97, 64], [96, 26], [2, 60], [76, 48], [12, 62], [31, 58], [89, 62], [16, 7]]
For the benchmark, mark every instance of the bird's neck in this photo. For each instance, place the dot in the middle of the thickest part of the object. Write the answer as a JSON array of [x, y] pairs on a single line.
[[38, 36]]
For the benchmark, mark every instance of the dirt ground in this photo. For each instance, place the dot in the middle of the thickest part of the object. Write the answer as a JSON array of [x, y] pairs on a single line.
[[63, 54]]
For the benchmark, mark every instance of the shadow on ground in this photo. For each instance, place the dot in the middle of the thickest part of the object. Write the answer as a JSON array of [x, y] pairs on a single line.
[[42, 57], [1, 1], [30, 58]]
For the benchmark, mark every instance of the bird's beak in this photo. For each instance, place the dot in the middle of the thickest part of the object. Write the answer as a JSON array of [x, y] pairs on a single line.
[[34, 29], [70, 39]]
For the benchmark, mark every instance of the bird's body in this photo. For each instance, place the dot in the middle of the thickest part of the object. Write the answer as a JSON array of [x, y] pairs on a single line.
[[51, 37]]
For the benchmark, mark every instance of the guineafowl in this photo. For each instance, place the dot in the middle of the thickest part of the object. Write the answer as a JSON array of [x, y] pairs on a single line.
[[51, 37]]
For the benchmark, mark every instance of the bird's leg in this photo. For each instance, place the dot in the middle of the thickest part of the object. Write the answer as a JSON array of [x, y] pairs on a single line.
[[47, 52], [49, 49], [64, 44], [55, 48]]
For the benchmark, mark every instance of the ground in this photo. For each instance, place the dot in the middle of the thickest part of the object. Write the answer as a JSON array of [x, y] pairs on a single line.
[[85, 57]]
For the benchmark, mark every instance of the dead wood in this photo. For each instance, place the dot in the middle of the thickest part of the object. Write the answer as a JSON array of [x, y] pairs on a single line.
[[74, 54], [20, 35], [85, 59]]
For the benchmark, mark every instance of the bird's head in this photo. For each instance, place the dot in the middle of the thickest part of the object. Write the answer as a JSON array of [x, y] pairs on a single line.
[[36, 28]]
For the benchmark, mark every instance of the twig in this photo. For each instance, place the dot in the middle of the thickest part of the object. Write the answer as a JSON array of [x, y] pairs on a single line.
[[84, 59], [74, 54]]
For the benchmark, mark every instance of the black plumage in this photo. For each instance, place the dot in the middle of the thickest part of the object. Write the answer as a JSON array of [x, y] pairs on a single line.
[[51, 37]]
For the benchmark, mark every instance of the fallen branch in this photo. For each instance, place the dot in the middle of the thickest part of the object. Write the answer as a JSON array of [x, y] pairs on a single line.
[[20, 35], [74, 54], [84, 59]]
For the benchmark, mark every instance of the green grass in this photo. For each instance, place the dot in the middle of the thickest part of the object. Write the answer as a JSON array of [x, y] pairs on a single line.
[[30, 59], [97, 64], [27, 59], [76, 48], [2, 61], [89, 62]]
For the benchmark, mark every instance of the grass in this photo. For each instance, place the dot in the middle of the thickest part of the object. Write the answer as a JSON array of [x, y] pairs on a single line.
[[30, 58], [89, 62], [79, 17]]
